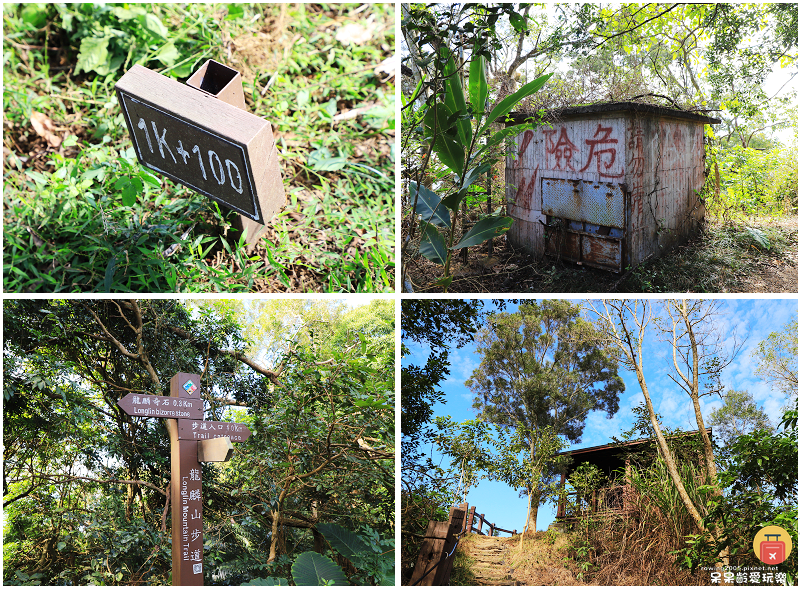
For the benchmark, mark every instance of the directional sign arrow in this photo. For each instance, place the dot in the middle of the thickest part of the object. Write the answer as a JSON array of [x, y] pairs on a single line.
[[205, 429], [158, 406]]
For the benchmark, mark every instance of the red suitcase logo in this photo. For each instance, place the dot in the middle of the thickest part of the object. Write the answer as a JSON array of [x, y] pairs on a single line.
[[772, 552]]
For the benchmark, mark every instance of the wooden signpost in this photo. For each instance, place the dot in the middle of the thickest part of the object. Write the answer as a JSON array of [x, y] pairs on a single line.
[[200, 135], [192, 441]]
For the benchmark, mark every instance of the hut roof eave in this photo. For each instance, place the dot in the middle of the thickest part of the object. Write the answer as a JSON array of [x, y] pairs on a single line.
[[617, 107]]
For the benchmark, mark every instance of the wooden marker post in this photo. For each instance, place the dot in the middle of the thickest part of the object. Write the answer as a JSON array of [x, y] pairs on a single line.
[[186, 492], [192, 441], [200, 135]]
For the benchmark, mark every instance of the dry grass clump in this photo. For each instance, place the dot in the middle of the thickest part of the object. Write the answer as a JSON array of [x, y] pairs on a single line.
[[637, 546]]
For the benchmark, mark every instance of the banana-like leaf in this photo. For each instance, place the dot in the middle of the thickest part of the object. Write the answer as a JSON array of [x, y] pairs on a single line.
[[345, 542], [490, 227], [447, 145], [430, 206], [508, 103], [478, 88], [759, 237], [415, 94], [312, 569], [454, 97], [440, 116], [454, 200], [267, 582], [431, 244], [444, 282]]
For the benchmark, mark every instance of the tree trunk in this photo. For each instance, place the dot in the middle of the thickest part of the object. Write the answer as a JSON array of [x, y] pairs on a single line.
[[533, 510]]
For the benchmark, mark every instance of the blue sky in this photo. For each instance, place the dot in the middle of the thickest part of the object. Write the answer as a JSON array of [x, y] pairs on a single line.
[[749, 319]]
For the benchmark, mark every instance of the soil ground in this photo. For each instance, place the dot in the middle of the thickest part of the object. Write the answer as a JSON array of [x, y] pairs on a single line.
[[723, 259], [497, 561]]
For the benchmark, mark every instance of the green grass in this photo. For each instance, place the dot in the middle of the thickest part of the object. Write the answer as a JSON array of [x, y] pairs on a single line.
[[84, 216]]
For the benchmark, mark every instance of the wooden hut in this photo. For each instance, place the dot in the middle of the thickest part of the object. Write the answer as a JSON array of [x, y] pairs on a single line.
[[612, 461], [607, 185]]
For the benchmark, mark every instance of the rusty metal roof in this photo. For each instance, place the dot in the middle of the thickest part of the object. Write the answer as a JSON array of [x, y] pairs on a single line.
[[617, 107], [629, 443]]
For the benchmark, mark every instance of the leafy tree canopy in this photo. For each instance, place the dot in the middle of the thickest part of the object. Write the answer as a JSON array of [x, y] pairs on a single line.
[[85, 485]]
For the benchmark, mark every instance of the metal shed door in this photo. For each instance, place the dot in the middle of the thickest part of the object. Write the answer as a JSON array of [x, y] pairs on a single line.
[[586, 221]]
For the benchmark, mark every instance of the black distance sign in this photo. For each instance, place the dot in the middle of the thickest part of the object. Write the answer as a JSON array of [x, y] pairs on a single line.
[[195, 157], [202, 142]]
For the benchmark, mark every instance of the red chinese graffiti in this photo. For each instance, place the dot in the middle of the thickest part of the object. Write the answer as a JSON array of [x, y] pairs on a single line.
[[605, 139], [636, 169], [525, 191], [561, 149], [526, 140]]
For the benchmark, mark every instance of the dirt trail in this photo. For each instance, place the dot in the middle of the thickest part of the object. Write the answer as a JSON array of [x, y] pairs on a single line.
[[496, 561], [491, 567]]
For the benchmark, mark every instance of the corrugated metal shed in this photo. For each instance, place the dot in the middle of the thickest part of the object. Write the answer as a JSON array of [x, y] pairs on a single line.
[[607, 185]]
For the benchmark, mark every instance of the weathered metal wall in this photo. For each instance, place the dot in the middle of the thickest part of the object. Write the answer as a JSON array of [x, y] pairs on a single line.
[[625, 181], [592, 150], [666, 166]]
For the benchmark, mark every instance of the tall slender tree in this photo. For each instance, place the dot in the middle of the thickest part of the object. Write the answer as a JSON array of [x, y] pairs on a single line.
[[543, 366]]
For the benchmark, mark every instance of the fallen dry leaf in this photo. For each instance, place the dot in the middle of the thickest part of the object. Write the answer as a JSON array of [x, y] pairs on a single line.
[[386, 69], [355, 33], [44, 127]]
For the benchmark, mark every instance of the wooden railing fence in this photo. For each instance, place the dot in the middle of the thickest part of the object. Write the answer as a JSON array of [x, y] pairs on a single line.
[[435, 560]]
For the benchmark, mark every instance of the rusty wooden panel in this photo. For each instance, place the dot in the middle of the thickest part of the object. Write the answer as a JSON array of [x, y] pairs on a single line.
[[602, 252], [201, 142], [599, 203], [563, 244]]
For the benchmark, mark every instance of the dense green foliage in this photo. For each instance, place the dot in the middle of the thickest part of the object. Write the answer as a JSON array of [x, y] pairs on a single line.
[[543, 366], [84, 484], [82, 215], [425, 493]]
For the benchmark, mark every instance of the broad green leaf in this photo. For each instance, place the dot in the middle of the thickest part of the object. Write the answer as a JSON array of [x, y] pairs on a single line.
[[490, 227], [313, 569], [267, 582], [149, 178], [478, 88], [431, 244], [518, 22], [441, 117], [508, 103], [321, 160], [128, 12], [234, 11], [454, 98], [93, 55], [109, 277], [450, 152], [34, 15], [429, 206], [153, 25], [445, 282], [453, 201], [759, 236], [345, 542], [130, 188], [168, 54], [447, 145]]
